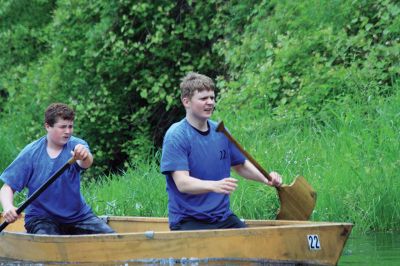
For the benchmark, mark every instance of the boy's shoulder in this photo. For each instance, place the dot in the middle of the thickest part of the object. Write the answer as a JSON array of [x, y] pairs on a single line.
[[177, 126], [75, 139], [35, 145]]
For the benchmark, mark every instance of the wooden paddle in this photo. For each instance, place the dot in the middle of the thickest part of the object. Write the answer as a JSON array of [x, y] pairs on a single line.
[[40, 190], [297, 200]]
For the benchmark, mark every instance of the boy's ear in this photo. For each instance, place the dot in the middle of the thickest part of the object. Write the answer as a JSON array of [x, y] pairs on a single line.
[[185, 101]]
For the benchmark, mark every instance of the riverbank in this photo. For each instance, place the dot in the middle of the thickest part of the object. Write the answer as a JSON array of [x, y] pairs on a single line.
[[350, 158]]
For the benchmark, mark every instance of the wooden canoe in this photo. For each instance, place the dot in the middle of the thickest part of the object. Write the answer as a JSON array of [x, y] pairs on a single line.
[[148, 240]]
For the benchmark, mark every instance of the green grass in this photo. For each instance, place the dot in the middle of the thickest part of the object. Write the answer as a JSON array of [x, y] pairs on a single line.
[[290, 57], [350, 157], [140, 191], [9, 151]]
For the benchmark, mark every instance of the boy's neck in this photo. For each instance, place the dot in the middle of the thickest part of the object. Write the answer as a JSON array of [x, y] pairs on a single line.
[[53, 149], [198, 124]]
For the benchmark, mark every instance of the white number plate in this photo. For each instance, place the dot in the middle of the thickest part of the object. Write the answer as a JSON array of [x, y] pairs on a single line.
[[313, 242]]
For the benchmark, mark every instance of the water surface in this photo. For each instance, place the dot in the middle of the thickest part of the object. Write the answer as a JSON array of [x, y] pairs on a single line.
[[372, 249]]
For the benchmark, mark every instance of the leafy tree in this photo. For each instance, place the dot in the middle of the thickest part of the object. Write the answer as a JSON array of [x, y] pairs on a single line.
[[294, 58], [119, 63], [22, 40]]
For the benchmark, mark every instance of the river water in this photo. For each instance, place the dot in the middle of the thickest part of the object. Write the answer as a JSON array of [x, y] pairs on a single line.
[[367, 250], [372, 249]]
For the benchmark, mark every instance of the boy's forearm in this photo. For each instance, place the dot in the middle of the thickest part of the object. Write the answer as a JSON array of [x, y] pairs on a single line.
[[87, 162], [6, 197], [195, 186], [249, 171]]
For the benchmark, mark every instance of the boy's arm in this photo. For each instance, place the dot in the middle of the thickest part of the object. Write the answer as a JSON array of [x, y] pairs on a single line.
[[249, 171], [7, 199], [83, 156], [191, 185]]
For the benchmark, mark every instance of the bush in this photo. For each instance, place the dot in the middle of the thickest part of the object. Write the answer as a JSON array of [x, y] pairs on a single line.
[[118, 63], [296, 57]]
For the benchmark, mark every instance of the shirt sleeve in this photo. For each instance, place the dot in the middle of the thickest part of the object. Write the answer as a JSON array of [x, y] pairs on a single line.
[[17, 174], [174, 154]]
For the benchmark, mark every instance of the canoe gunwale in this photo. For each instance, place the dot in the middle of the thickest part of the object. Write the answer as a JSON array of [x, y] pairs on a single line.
[[164, 234]]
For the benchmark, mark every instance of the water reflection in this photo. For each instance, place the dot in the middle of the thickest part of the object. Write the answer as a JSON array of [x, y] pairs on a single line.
[[372, 249]]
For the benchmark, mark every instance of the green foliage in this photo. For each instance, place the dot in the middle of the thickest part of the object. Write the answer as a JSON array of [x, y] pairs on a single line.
[[8, 148], [310, 87], [130, 69], [20, 30], [140, 191], [351, 160], [22, 41], [296, 57], [118, 63]]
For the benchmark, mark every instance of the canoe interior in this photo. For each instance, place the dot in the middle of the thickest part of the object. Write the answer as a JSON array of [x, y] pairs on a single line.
[[131, 224]]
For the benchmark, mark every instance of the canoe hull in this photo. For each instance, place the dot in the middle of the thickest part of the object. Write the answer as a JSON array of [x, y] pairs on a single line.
[[148, 240]]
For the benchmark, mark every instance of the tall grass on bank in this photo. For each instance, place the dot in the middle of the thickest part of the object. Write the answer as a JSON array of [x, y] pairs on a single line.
[[140, 191], [350, 157], [8, 148], [349, 154]]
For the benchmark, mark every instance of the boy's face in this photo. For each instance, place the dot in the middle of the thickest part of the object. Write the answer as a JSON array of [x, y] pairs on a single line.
[[201, 105], [60, 132]]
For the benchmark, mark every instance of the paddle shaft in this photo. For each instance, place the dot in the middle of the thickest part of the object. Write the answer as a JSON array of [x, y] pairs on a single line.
[[221, 128], [297, 200], [40, 190]]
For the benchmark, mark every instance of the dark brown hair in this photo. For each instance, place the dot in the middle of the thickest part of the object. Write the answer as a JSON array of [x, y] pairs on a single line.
[[58, 110]]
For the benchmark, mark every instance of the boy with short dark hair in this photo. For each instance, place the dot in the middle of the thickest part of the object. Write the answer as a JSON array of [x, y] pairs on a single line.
[[61, 208]]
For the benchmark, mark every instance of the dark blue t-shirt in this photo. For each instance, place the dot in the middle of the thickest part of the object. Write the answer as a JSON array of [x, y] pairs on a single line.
[[206, 157], [62, 200]]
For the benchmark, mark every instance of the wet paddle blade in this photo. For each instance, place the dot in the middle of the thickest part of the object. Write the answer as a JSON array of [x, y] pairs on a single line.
[[297, 200]]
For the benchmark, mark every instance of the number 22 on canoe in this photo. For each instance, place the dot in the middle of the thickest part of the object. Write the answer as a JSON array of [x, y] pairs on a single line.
[[297, 200]]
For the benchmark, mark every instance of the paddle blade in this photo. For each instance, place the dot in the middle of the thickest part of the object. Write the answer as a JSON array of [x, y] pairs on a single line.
[[297, 200]]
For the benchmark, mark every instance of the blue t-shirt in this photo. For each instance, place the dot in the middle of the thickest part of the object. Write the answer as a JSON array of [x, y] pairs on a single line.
[[206, 157], [62, 200]]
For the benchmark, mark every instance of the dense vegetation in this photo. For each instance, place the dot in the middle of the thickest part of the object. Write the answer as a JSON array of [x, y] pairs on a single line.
[[116, 62], [309, 87], [351, 161]]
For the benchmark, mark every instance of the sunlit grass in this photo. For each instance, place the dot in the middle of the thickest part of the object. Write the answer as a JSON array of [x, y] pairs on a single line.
[[140, 191], [9, 151], [350, 157]]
